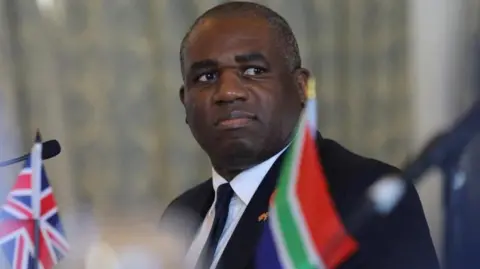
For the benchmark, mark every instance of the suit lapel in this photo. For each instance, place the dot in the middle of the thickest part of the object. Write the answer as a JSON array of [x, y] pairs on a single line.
[[204, 203], [242, 244], [200, 209]]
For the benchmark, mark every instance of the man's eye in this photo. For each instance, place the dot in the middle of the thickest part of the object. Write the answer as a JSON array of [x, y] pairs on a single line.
[[207, 77], [252, 71]]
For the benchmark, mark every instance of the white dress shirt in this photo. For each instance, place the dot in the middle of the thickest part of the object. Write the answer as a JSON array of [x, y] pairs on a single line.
[[244, 186]]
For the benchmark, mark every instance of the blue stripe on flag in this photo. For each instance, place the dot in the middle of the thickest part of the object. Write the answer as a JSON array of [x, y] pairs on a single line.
[[54, 220], [9, 249], [24, 199], [266, 256]]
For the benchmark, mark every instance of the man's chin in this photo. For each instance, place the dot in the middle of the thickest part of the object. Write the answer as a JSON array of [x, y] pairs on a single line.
[[238, 147], [237, 153]]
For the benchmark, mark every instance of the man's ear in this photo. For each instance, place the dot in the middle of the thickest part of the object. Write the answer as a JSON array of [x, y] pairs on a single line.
[[301, 79], [181, 94]]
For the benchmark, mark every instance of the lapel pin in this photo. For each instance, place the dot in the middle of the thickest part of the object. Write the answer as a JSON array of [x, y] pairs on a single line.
[[263, 217]]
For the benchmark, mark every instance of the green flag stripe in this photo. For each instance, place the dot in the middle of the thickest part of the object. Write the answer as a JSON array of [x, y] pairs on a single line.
[[280, 245]]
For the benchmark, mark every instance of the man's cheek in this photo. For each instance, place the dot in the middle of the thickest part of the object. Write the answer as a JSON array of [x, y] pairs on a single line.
[[197, 117]]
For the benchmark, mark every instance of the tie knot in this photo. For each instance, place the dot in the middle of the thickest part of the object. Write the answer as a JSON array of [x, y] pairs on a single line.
[[224, 194]]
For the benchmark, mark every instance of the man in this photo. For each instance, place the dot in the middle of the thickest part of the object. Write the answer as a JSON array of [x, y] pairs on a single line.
[[243, 93]]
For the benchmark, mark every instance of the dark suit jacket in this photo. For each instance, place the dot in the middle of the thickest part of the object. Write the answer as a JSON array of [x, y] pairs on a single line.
[[400, 241]]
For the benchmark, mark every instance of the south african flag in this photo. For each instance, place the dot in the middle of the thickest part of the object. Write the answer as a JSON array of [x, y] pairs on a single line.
[[303, 230]]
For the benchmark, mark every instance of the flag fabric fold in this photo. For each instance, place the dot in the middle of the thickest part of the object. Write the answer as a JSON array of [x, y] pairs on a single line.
[[18, 213], [303, 230]]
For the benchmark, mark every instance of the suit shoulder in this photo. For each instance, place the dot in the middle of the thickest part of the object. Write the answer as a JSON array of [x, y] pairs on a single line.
[[349, 171], [336, 153], [189, 196], [184, 212]]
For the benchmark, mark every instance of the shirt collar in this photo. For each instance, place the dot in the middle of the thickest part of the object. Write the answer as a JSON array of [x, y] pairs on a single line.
[[246, 183]]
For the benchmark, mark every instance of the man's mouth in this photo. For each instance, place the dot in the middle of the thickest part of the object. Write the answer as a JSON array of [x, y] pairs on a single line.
[[236, 119]]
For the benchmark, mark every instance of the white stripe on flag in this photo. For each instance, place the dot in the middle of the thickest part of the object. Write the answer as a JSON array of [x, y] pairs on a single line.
[[36, 161]]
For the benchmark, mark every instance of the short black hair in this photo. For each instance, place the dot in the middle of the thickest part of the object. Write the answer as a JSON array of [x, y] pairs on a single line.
[[278, 24]]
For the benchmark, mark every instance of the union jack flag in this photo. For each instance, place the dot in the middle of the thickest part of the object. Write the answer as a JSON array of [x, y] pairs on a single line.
[[17, 224]]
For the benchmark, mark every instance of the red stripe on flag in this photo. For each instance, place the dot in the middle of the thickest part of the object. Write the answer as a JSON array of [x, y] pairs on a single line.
[[19, 207], [326, 229], [44, 252], [19, 253], [48, 202], [23, 181], [9, 226]]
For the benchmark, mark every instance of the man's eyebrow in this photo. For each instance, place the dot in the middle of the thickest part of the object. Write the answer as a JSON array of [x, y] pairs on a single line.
[[251, 57], [204, 64]]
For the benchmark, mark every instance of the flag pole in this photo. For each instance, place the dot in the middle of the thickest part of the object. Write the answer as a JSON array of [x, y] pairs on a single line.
[[36, 160], [311, 107]]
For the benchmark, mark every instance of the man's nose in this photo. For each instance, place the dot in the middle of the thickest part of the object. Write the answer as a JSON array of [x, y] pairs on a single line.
[[230, 88]]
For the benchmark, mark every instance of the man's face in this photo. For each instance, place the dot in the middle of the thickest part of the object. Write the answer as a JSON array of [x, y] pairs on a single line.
[[241, 98]]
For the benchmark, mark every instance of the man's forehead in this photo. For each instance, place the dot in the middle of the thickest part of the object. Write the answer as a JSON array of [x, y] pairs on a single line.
[[233, 35], [230, 27]]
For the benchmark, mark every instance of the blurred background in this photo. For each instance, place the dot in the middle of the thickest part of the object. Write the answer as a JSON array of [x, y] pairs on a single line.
[[102, 77]]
